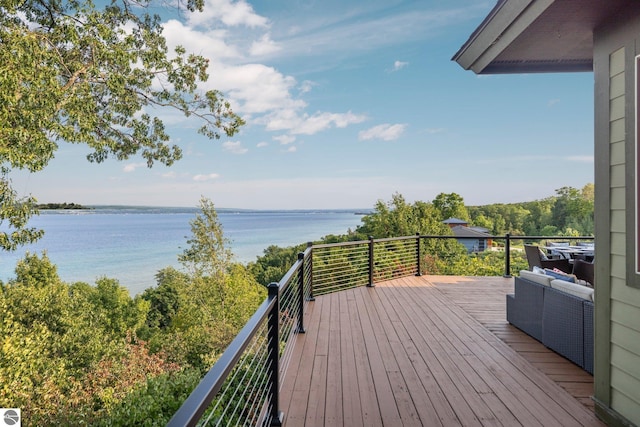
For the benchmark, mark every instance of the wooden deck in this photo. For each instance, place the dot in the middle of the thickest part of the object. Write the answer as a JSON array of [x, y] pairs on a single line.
[[428, 351]]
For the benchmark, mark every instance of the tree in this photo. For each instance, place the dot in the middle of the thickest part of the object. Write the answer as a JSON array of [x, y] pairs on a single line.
[[72, 72], [207, 253], [399, 218], [450, 206], [195, 315], [17, 212], [574, 209]]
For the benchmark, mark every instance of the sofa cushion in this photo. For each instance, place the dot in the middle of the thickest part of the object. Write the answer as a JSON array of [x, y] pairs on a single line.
[[541, 279], [574, 289]]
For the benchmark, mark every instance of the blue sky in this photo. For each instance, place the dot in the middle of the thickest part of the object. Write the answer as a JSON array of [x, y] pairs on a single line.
[[347, 103]]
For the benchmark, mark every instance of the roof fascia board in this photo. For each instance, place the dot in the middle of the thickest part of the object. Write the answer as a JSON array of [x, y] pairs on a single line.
[[502, 28]]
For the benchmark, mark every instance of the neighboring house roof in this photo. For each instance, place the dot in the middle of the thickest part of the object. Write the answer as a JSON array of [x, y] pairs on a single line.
[[480, 229], [528, 36], [462, 231], [454, 221]]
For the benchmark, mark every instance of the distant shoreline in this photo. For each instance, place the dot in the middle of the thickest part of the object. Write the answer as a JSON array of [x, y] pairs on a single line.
[[62, 206]]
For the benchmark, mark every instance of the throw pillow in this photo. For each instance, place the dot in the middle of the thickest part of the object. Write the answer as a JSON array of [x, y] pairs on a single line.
[[558, 274]]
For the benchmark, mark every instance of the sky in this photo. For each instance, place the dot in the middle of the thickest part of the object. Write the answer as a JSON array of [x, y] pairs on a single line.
[[347, 103]]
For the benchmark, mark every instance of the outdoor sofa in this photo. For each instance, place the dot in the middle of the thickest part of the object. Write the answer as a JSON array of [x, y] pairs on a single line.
[[557, 313]]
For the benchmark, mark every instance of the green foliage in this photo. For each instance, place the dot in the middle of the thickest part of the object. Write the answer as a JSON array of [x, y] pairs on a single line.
[[71, 354], [211, 312], [274, 263], [164, 299], [207, 254], [450, 206], [117, 311], [14, 215], [194, 315], [54, 335], [154, 402], [570, 212], [398, 218], [87, 73]]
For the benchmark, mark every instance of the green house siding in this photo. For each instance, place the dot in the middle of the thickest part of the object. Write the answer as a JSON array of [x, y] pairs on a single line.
[[617, 352]]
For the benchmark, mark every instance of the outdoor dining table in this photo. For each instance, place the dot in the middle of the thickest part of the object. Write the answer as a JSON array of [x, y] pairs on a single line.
[[572, 252]]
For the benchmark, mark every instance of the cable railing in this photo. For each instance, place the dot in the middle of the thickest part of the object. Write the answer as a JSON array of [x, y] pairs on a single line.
[[243, 386]]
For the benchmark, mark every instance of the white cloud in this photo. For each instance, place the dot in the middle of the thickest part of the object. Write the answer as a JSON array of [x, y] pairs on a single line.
[[206, 177], [386, 132], [306, 86], [131, 167], [292, 149], [234, 147], [238, 13], [211, 44], [262, 144], [553, 102], [310, 125], [264, 46], [290, 120], [399, 65], [260, 93], [258, 88], [170, 174]]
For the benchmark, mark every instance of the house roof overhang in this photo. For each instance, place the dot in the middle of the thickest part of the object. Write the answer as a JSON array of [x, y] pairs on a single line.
[[529, 36]]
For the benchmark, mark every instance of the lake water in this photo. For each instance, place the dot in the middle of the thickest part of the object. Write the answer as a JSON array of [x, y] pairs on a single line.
[[132, 244]]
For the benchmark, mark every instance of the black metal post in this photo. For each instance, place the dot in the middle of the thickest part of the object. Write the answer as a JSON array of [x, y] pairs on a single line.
[[274, 354], [311, 297], [507, 255], [371, 284], [419, 272], [301, 294]]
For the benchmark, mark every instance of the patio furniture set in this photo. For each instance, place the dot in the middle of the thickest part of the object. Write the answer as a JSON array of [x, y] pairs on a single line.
[[556, 307]]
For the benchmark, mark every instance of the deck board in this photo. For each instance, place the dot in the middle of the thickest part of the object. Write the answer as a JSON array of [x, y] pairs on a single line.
[[431, 350]]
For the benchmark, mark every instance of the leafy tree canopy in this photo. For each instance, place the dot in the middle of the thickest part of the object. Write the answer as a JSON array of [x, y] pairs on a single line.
[[451, 205], [86, 73]]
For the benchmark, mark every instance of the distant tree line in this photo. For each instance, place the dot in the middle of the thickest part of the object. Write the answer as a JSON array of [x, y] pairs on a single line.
[[568, 213], [45, 206]]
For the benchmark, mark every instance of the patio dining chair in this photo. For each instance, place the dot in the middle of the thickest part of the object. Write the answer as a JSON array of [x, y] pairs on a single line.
[[537, 258], [584, 270]]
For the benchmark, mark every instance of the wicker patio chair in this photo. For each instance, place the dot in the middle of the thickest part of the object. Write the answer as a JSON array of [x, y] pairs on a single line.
[[537, 258], [584, 270]]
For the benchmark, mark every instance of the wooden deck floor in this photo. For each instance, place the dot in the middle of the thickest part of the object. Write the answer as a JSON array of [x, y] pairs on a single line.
[[428, 351]]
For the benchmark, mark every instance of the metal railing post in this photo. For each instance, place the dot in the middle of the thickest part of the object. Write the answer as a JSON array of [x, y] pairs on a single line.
[[371, 284], [311, 297], [274, 355], [419, 272], [301, 294], [507, 255]]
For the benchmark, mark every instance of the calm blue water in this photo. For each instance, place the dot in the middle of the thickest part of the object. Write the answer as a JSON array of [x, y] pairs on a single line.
[[132, 244]]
